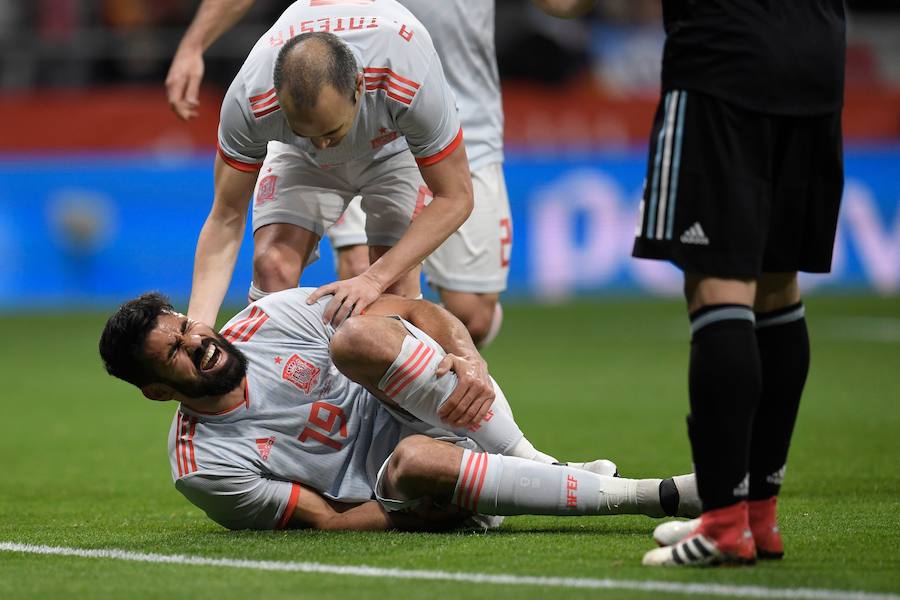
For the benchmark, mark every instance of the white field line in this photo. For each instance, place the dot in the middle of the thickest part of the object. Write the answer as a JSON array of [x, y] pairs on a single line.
[[733, 591]]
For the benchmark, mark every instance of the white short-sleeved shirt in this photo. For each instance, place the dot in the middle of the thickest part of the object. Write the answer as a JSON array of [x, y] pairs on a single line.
[[407, 102], [301, 422], [463, 34]]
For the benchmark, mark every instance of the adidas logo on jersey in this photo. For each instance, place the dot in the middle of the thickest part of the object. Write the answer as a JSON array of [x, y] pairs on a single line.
[[264, 446], [694, 235]]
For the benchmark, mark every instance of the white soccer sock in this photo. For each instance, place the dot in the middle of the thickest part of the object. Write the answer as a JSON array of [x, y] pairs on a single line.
[[492, 484], [412, 384]]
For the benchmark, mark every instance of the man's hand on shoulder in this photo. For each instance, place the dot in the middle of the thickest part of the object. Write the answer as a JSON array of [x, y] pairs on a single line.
[[474, 394], [350, 297]]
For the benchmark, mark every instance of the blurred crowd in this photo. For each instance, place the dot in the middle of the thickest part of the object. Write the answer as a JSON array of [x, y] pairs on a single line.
[[74, 43]]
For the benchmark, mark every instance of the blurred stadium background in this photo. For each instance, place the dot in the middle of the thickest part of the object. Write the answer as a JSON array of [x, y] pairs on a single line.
[[103, 190]]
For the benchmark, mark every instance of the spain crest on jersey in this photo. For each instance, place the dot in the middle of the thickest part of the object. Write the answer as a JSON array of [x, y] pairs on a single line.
[[301, 373]]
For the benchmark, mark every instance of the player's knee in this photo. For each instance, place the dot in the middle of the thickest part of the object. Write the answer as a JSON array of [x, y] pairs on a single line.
[[350, 343], [409, 463], [478, 317], [274, 269]]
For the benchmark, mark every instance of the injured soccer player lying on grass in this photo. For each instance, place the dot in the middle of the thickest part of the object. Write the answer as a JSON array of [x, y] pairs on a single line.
[[389, 421]]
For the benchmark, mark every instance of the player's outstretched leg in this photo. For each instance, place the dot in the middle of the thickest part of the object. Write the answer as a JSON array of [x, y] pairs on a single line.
[[493, 484]]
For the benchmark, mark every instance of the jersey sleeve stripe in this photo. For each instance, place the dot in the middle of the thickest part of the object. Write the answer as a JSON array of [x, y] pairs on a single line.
[[178, 445], [291, 505], [387, 71], [235, 331], [261, 114], [236, 164], [191, 445], [259, 323], [378, 83], [183, 436], [426, 161], [263, 96], [427, 360], [390, 94], [256, 106]]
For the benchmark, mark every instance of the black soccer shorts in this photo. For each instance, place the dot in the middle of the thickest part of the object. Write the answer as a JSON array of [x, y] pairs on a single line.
[[733, 193]]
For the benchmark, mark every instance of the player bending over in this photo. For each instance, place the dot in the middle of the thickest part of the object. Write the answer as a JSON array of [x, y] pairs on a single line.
[[286, 422]]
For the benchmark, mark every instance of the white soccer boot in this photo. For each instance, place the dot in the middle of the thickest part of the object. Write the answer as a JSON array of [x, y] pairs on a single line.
[[598, 467], [700, 551], [672, 532]]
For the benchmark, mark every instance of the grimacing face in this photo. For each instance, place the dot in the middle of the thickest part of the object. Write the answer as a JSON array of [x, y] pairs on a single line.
[[192, 358]]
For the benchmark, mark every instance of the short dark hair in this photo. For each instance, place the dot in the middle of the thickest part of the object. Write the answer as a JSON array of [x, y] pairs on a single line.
[[324, 59], [123, 338]]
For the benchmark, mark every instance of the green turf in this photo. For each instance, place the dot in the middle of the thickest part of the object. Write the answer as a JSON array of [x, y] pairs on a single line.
[[84, 465]]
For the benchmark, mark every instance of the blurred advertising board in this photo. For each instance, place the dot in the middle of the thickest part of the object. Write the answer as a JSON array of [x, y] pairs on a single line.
[[85, 230]]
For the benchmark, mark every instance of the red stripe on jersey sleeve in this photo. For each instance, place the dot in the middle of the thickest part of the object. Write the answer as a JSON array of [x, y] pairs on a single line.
[[236, 164], [426, 161], [191, 445], [262, 96], [234, 332], [261, 114], [392, 74], [259, 323], [178, 446], [291, 505]]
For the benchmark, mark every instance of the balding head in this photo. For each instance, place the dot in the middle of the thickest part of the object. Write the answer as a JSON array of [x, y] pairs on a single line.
[[308, 63]]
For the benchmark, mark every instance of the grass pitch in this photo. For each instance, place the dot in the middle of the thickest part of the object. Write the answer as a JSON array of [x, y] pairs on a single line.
[[84, 465]]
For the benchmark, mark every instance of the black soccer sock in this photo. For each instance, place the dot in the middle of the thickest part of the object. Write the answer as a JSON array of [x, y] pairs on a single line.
[[784, 355], [724, 383]]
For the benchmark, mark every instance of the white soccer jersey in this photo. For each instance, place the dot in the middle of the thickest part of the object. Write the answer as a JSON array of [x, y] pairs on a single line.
[[463, 34], [301, 421], [407, 102]]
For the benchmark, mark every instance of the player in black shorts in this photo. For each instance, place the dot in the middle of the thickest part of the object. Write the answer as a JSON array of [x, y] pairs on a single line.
[[744, 182]]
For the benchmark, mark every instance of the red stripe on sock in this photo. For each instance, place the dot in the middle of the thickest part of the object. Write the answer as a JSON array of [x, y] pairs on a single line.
[[479, 464], [480, 483], [398, 374], [462, 483], [425, 360]]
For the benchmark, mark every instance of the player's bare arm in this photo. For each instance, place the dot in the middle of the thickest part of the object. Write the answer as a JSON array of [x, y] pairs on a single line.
[[565, 9], [213, 18], [220, 241], [314, 511], [474, 394], [450, 182]]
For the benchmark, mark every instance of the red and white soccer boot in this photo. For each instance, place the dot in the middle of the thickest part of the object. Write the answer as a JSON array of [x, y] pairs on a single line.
[[763, 526], [722, 537]]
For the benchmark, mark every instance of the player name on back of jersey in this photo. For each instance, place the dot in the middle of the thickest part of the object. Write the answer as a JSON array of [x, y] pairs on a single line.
[[326, 24]]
